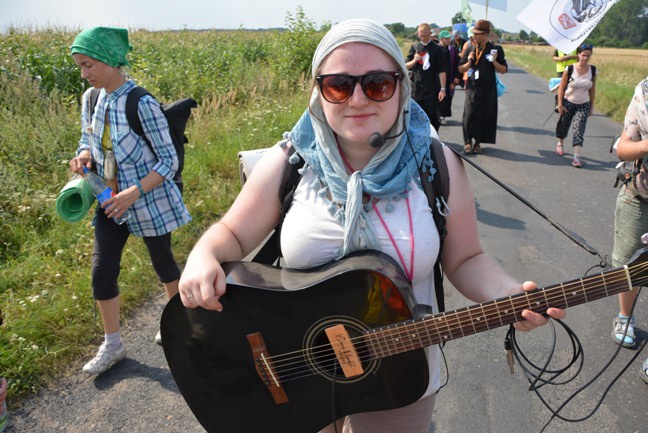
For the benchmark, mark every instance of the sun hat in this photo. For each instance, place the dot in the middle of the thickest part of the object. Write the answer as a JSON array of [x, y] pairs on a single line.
[[483, 26]]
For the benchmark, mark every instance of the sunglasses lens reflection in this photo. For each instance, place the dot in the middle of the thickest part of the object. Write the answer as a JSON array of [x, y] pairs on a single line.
[[337, 88], [379, 87]]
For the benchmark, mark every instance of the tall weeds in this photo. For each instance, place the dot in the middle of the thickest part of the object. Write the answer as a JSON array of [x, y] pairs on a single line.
[[250, 90]]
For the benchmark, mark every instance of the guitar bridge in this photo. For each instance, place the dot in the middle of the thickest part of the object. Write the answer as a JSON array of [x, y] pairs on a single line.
[[265, 369]]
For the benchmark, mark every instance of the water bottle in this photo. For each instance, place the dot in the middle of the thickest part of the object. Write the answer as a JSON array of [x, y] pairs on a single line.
[[102, 191]]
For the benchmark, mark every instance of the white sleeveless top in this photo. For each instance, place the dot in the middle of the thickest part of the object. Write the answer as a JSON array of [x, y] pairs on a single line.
[[311, 235], [578, 89]]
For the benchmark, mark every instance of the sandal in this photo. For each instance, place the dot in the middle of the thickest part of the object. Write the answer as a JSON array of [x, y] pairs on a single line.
[[644, 371], [619, 328], [468, 149], [559, 149], [477, 148]]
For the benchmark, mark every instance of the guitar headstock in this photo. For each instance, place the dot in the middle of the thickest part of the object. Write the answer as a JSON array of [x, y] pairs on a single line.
[[638, 267]]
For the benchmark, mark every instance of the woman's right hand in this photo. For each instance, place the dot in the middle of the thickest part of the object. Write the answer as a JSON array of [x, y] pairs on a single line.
[[83, 159], [246, 224], [203, 281]]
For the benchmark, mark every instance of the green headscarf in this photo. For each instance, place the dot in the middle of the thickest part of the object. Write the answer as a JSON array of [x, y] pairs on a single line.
[[106, 44]]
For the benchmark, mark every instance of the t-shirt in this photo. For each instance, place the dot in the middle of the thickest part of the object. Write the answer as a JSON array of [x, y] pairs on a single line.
[[578, 88], [636, 117], [560, 66]]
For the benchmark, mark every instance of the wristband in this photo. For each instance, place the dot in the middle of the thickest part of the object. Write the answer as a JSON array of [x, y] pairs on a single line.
[[139, 187]]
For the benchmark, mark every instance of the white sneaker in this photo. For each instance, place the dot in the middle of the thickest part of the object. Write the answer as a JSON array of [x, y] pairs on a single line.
[[104, 358], [158, 338]]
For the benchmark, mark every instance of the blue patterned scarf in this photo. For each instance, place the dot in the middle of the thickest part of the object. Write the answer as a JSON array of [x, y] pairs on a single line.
[[388, 174]]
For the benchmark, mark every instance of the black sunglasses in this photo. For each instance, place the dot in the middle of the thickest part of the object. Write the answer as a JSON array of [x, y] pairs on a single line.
[[377, 86]]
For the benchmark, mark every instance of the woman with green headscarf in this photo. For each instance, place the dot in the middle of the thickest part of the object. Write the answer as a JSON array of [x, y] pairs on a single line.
[[362, 139], [139, 174]]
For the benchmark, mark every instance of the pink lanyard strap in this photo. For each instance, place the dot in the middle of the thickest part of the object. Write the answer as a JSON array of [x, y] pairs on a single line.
[[410, 274]]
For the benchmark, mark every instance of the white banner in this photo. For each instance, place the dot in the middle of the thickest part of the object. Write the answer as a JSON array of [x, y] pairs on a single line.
[[495, 4], [564, 23]]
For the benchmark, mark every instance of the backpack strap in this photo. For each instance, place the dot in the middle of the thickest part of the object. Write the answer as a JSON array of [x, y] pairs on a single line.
[[570, 71], [437, 192], [270, 252], [132, 102], [92, 101]]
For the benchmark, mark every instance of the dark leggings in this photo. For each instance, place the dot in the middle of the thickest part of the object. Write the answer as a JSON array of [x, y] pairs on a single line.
[[109, 242]]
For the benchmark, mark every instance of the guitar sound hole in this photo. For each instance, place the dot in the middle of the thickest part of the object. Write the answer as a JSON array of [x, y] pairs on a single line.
[[320, 355]]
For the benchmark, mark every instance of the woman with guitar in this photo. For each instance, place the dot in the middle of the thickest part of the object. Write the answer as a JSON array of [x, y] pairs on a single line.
[[362, 139]]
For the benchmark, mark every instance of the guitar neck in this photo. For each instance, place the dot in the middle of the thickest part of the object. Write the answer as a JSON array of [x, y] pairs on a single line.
[[436, 329]]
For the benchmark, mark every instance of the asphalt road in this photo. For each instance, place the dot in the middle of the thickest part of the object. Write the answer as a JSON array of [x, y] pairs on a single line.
[[482, 395], [139, 394]]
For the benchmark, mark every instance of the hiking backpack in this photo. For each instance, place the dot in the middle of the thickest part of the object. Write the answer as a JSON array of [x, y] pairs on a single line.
[[436, 191], [177, 114]]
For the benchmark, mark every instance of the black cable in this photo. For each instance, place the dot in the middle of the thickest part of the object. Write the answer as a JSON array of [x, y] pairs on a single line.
[[569, 233], [333, 401], [577, 353], [445, 363]]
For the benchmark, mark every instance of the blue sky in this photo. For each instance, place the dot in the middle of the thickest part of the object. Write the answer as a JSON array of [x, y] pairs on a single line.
[[232, 14]]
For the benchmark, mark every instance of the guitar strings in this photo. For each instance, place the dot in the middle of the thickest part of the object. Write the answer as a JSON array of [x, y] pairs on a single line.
[[404, 328], [292, 365]]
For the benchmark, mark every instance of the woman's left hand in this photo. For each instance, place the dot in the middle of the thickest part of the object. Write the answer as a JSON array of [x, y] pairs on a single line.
[[532, 319], [119, 203]]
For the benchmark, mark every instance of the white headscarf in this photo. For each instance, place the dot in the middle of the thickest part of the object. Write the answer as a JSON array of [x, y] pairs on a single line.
[[388, 173]]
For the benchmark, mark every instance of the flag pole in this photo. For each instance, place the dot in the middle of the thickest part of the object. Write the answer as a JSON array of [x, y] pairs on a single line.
[[486, 10]]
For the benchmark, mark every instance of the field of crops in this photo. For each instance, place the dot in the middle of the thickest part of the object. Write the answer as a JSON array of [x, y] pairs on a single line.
[[251, 87]]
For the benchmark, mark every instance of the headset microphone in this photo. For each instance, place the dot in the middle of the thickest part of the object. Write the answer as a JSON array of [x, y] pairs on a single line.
[[377, 140]]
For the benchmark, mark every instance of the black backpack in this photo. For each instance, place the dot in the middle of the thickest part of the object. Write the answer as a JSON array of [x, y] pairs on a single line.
[[436, 191], [176, 113]]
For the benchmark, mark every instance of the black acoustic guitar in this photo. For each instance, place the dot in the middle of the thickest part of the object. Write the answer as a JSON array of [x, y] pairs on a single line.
[[291, 345]]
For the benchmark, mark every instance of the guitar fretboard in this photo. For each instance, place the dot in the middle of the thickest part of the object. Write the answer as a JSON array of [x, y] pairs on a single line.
[[419, 333]]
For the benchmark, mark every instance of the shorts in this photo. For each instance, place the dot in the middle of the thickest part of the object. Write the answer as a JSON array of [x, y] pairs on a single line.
[[630, 223]]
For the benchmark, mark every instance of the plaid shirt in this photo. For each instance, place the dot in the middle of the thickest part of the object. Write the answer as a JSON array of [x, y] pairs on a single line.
[[161, 210]]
